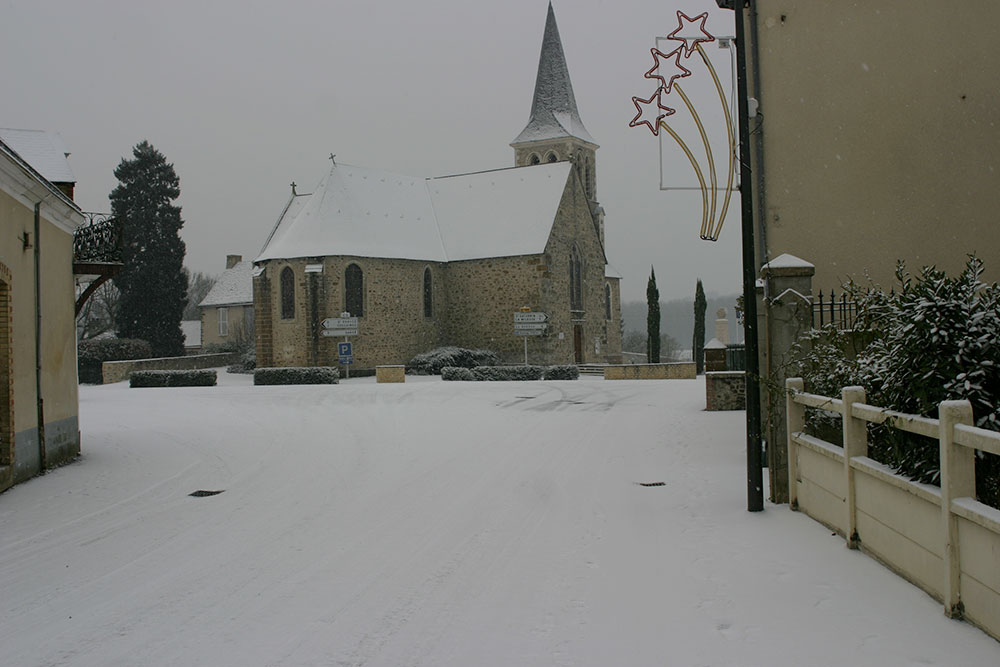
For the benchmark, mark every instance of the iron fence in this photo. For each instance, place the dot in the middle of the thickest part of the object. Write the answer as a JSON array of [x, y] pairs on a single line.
[[99, 240], [840, 311]]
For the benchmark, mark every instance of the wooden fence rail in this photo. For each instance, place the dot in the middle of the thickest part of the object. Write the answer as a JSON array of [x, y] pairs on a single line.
[[943, 540]]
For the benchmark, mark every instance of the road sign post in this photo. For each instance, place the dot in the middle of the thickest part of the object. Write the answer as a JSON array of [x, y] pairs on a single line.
[[527, 323], [345, 326]]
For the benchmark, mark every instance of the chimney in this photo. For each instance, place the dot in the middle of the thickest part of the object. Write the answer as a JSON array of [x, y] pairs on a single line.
[[233, 260]]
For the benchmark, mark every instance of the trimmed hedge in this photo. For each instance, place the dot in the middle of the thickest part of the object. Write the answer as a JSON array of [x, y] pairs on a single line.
[[195, 378], [566, 372], [247, 363], [296, 375], [457, 373], [431, 363], [91, 354]]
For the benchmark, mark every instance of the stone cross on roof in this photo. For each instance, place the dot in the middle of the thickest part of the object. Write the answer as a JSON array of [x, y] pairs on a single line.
[[553, 110]]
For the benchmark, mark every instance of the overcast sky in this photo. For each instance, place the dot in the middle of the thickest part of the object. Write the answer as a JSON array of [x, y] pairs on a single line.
[[246, 97]]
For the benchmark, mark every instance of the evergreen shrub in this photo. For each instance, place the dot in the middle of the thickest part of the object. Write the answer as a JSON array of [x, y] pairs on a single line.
[[449, 373], [92, 353], [565, 372], [508, 373], [179, 378], [296, 375], [247, 363], [431, 363]]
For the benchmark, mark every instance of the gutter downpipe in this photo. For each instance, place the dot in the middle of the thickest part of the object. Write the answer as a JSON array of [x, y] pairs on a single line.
[[755, 470], [38, 341]]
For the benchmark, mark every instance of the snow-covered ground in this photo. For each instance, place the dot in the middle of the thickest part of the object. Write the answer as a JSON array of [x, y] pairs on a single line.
[[435, 523]]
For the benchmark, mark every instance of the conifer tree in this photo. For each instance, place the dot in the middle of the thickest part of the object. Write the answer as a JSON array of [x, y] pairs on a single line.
[[152, 283], [698, 344], [652, 320]]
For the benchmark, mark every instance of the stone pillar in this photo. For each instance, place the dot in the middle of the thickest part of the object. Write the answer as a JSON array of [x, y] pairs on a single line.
[[262, 319], [788, 307], [722, 327]]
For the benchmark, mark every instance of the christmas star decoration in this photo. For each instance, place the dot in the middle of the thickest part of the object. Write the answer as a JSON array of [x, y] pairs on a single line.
[[645, 107], [691, 42], [672, 61]]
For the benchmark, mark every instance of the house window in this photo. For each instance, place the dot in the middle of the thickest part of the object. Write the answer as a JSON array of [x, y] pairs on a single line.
[[354, 291], [428, 294], [223, 321], [287, 293], [607, 302], [575, 280]]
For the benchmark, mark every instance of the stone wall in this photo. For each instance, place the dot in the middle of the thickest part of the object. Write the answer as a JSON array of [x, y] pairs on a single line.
[[725, 390], [679, 370], [117, 371]]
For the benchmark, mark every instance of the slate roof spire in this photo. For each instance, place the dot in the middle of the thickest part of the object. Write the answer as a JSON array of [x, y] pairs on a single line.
[[553, 110]]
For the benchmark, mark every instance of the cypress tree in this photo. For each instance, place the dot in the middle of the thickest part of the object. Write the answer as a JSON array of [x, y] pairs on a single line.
[[152, 283], [652, 320], [698, 344]]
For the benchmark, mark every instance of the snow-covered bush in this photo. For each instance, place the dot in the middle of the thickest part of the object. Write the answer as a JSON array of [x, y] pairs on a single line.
[[501, 373], [566, 372], [297, 375], [91, 354], [247, 363], [932, 338], [178, 378], [431, 363], [449, 373]]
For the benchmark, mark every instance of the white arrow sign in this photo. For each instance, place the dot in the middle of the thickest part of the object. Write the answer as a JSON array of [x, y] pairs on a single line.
[[339, 332], [528, 326], [528, 332], [340, 323], [530, 317]]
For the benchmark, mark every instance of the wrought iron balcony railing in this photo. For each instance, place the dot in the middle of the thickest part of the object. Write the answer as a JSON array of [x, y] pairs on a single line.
[[99, 241]]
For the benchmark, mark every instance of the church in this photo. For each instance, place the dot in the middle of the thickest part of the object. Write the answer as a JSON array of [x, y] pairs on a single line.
[[428, 262]]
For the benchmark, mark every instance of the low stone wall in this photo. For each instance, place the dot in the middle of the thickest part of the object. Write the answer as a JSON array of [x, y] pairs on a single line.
[[390, 374], [725, 390], [679, 370], [117, 371]]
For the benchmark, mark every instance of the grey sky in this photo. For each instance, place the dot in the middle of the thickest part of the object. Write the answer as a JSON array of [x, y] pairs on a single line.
[[246, 97]]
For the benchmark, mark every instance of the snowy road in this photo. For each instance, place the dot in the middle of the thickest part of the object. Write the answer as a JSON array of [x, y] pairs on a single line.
[[435, 523]]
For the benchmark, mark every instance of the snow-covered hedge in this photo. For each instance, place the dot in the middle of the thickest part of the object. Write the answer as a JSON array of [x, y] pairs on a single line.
[[565, 372], [431, 363], [91, 354], [449, 373], [297, 375], [246, 364], [192, 378]]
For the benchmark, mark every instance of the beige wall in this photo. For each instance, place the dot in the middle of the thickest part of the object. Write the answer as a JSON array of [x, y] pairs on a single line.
[[210, 323], [59, 383], [880, 127]]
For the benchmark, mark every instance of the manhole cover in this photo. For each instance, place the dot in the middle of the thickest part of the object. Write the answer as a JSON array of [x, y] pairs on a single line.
[[651, 483], [201, 493]]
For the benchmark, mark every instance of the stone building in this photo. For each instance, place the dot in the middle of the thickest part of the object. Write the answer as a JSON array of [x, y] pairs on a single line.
[[425, 262], [227, 309], [39, 425]]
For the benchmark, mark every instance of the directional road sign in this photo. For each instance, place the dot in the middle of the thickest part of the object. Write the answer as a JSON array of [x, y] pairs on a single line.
[[528, 326], [339, 332], [341, 323], [530, 317], [528, 332]]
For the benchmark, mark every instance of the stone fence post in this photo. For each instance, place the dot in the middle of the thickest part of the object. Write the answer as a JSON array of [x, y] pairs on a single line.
[[788, 308]]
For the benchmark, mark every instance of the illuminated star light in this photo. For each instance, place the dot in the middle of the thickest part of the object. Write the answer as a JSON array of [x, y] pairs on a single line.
[[646, 105], [667, 83], [691, 43]]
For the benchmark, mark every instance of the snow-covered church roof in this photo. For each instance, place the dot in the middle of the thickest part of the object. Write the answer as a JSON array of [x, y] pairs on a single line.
[[553, 109], [364, 212]]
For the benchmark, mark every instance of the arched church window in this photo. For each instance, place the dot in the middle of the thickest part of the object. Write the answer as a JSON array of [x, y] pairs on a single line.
[[534, 159], [428, 294], [607, 301], [551, 157], [575, 280], [354, 290], [287, 293]]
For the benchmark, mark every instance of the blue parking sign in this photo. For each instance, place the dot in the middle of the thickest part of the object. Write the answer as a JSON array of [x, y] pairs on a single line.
[[344, 350]]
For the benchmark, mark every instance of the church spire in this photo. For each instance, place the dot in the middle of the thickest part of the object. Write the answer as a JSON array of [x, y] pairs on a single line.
[[553, 110]]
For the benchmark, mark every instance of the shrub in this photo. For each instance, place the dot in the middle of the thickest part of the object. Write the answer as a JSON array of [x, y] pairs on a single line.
[[449, 373], [296, 375], [247, 363], [431, 363], [567, 372], [92, 353], [503, 373], [193, 378], [931, 339]]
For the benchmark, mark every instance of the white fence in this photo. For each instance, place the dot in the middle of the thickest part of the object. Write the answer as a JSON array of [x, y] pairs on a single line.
[[941, 539]]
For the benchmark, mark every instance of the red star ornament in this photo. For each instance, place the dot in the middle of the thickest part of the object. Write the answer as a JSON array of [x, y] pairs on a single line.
[[646, 106], [667, 83], [691, 42]]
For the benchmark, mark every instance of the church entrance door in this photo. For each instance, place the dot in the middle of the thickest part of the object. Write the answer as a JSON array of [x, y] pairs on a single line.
[[578, 343]]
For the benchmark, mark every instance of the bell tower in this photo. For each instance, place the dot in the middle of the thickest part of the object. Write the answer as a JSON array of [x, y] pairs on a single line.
[[554, 131]]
